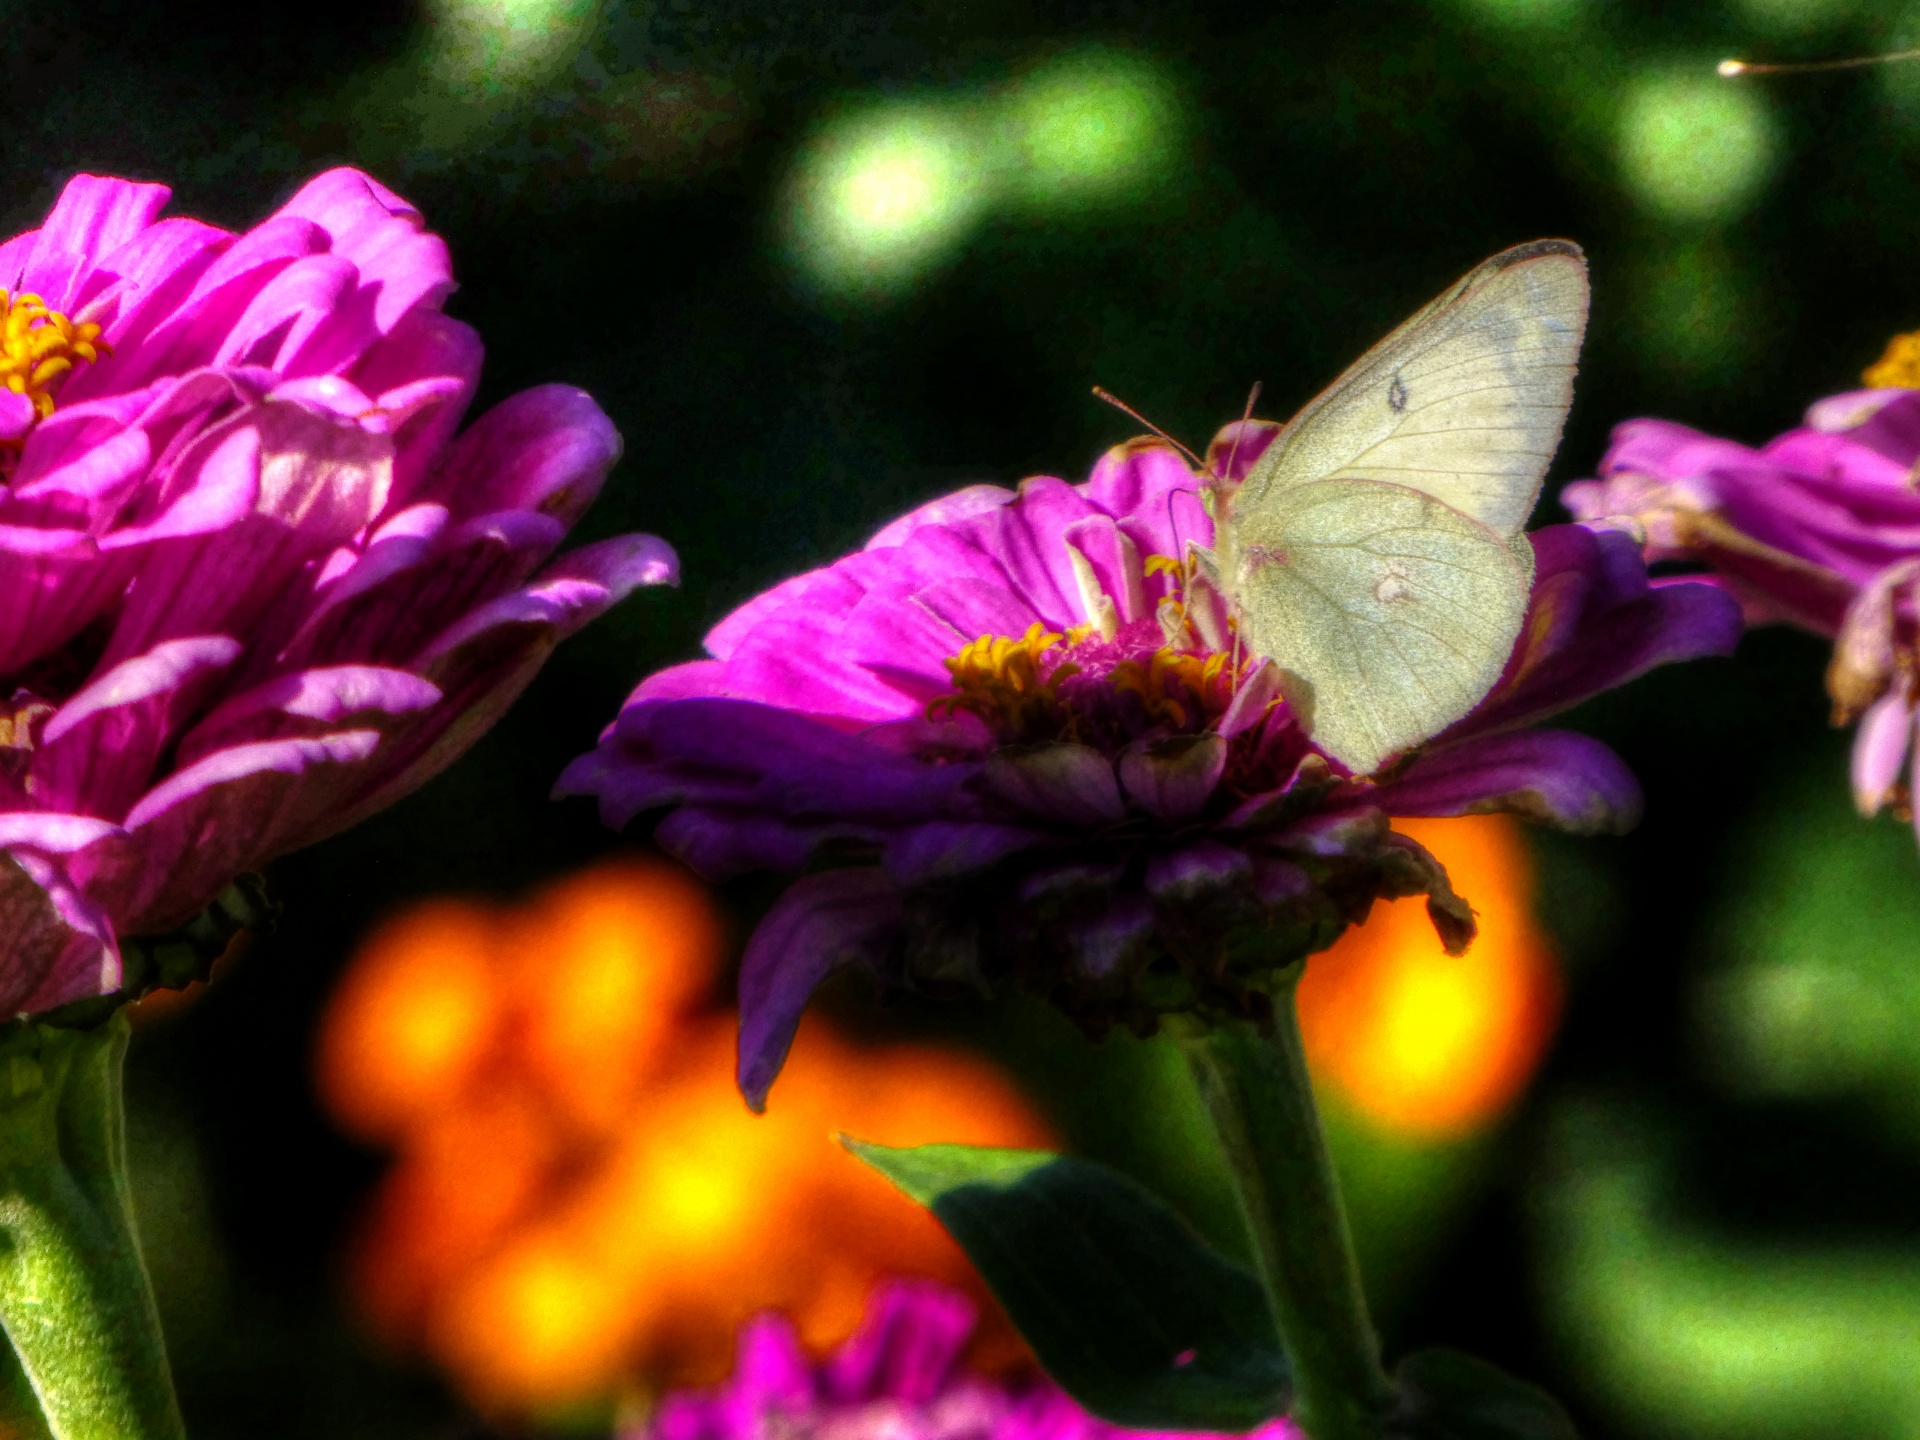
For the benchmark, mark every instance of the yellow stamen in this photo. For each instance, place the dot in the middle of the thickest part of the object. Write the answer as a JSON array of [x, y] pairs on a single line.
[[38, 346], [1899, 367], [18, 719], [999, 679], [1174, 680]]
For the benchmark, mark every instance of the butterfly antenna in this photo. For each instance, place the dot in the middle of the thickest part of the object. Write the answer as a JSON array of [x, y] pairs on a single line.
[[1126, 409], [1734, 69], [1179, 557], [1253, 398]]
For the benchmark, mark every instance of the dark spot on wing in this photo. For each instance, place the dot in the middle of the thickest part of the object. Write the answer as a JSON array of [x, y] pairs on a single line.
[[1397, 395]]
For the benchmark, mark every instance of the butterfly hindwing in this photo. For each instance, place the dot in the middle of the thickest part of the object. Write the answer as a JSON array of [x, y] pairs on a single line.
[[1391, 613]]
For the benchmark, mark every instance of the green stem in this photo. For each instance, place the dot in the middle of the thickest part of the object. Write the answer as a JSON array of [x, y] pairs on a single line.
[[1258, 1096], [74, 1296]]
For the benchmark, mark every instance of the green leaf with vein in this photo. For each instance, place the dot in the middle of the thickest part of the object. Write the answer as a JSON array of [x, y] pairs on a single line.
[[1126, 1307]]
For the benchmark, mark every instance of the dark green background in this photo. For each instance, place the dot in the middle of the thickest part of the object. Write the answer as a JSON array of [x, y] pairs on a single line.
[[1336, 165]]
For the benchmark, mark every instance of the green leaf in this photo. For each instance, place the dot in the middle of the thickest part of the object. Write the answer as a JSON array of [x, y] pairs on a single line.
[[1125, 1306], [1445, 1395]]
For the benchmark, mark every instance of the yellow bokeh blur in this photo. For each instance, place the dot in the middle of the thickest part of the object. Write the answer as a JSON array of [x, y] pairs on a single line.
[[580, 1200], [1423, 1043]]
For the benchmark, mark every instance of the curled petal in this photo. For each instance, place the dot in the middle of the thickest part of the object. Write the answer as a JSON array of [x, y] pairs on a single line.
[[823, 922], [1863, 652], [1880, 747]]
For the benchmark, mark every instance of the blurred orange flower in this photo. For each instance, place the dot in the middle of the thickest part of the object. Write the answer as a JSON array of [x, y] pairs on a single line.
[[580, 1198], [1426, 1044], [579, 1195]]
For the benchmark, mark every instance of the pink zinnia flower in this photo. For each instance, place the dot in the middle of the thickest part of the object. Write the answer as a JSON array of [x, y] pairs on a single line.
[[252, 588], [1819, 527], [900, 1376], [1014, 741]]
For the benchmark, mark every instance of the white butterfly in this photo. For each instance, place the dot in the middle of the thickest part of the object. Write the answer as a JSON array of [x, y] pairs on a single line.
[[1375, 551]]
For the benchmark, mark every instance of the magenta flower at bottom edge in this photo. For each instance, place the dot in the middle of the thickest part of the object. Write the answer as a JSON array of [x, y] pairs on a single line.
[[253, 587], [900, 1377], [1819, 527], [1011, 741]]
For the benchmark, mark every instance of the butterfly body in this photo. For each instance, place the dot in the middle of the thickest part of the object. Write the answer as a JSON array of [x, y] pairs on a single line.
[[1375, 551]]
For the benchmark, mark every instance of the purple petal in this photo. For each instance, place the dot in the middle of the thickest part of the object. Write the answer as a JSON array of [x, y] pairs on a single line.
[[1587, 630], [93, 217], [970, 608], [822, 922], [721, 842], [60, 947], [1256, 695], [1115, 939], [310, 702], [1173, 779], [547, 450], [231, 812], [382, 235], [1196, 872], [906, 1349], [945, 849], [1555, 777], [99, 749], [53, 833], [948, 510], [831, 589], [1880, 747], [1140, 473], [1071, 785], [482, 664], [1024, 538]]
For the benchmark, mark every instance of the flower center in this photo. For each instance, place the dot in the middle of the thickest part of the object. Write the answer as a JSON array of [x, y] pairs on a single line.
[[1899, 367], [1009, 685], [1077, 685], [39, 345]]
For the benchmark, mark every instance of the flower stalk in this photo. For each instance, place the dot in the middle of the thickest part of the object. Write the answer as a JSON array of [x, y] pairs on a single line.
[[75, 1301], [1260, 1100]]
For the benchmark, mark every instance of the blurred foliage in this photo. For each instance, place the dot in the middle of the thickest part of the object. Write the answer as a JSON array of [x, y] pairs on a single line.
[[1173, 200], [1765, 1280]]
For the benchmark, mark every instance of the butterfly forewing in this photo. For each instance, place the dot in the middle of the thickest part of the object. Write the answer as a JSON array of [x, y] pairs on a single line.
[[1391, 613], [1464, 402]]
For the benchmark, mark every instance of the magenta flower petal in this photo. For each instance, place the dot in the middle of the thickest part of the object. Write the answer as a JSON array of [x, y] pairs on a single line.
[[1880, 748], [256, 587], [60, 946], [1071, 784], [908, 1344], [902, 1375], [1569, 781], [207, 819], [1017, 727], [825, 921], [722, 841], [946, 848], [99, 749], [1596, 623], [1819, 528]]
